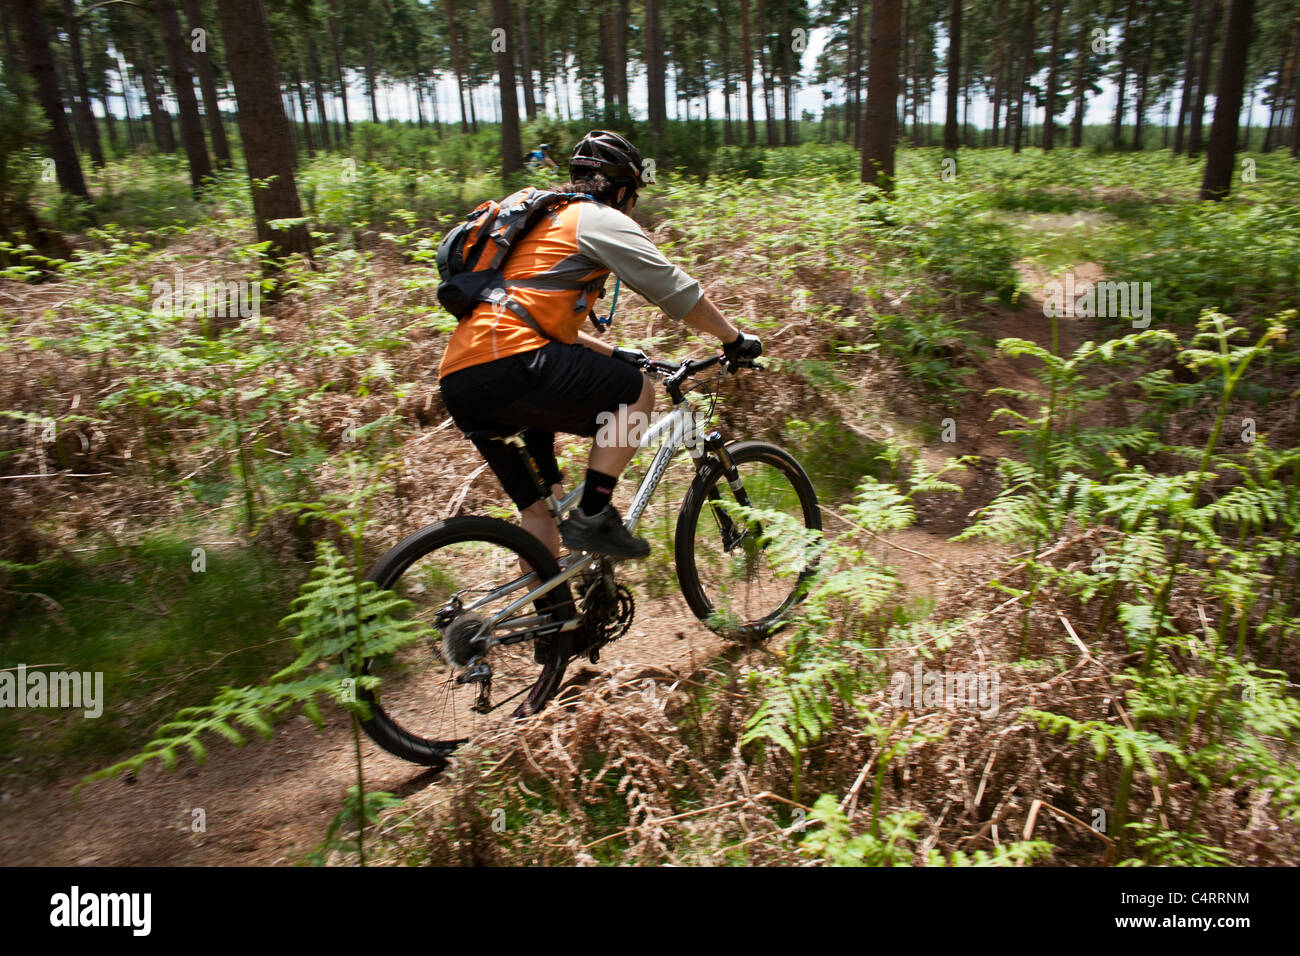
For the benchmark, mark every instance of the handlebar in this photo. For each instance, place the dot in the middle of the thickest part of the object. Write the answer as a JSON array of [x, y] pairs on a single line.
[[675, 373]]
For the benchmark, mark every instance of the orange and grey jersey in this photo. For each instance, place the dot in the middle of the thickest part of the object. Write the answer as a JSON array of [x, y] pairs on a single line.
[[555, 274]]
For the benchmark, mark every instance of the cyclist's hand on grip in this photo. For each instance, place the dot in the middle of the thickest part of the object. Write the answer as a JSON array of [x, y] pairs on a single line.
[[632, 356], [742, 352]]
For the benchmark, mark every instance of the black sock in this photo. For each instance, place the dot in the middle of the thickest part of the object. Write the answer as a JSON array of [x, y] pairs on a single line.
[[597, 491]]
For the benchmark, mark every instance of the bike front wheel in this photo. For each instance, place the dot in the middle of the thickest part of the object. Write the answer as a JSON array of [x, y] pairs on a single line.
[[746, 543], [451, 573]]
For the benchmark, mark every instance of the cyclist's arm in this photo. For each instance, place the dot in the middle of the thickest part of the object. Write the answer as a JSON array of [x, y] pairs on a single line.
[[597, 345], [705, 317], [608, 237]]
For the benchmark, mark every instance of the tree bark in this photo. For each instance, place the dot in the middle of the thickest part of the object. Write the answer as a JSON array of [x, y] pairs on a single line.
[[1000, 54], [40, 64], [951, 134], [263, 126], [880, 119], [526, 60], [196, 148], [1026, 71], [1203, 83], [1140, 108], [512, 154], [1049, 113], [622, 15], [728, 134], [158, 117], [318, 87], [747, 52], [1220, 152], [1080, 93], [306, 120], [1189, 63], [457, 65], [787, 83], [769, 105], [1127, 42], [370, 72], [208, 87], [338, 67], [606, 21], [83, 115], [656, 77]]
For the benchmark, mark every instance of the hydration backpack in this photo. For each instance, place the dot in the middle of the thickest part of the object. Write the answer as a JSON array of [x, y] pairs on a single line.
[[472, 254]]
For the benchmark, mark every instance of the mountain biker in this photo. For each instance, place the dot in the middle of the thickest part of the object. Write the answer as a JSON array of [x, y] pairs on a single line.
[[540, 157], [498, 371]]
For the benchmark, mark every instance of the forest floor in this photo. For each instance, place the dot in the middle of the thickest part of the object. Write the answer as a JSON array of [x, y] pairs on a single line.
[[270, 803]]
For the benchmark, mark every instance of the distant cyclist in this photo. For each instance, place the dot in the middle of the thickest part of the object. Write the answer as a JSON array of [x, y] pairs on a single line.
[[497, 370], [540, 158]]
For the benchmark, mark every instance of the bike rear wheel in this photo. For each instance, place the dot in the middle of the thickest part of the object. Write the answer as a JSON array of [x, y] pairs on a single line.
[[421, 712], [736, 576]]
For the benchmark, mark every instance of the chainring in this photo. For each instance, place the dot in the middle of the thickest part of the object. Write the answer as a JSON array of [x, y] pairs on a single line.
[[604, 620]]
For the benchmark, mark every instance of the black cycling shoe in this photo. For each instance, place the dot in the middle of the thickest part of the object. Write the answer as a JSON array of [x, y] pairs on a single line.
[[601, 534]]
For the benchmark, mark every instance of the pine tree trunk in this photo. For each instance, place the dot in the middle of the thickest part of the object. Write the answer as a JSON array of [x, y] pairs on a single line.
[[512, 154], [1049, 115], [1127, 42], [1203, 83], [656, 77], [1189, 61], [1219, 153], [769, 103], [622, 15], [338, 67], [318, 88], [1026, 71], [40, 65], [306, 120], [751, 134], [458, 65], [1080, 95], [370, 73], [158, 117], [880, 118], [853, 81], [1141, 106], [82, 113], [999, 85], [951, 134], [526, 60], [606, 21], [263, 125], [787, 83], [208, 87], [724, 43], [126, 103], [196, 148]]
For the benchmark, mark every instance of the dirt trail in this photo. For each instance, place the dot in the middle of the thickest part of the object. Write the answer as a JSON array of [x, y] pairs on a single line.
[[270, 802]]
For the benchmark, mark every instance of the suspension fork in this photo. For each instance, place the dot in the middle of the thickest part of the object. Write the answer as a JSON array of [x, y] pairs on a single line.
[[715, 447]]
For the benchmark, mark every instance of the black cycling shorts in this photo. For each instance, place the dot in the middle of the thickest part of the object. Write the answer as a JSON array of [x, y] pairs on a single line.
[[558, 388]]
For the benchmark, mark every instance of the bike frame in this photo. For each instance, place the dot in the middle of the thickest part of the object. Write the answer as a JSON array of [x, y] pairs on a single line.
[[679, 428]]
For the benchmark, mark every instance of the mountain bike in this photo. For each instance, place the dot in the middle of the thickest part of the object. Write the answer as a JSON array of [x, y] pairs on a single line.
[[506, 618]]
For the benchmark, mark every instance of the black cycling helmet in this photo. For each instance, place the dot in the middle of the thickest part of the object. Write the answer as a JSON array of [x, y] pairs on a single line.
[[609, 154]]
